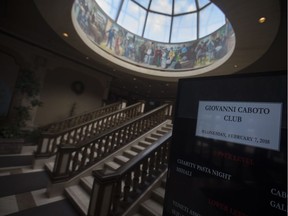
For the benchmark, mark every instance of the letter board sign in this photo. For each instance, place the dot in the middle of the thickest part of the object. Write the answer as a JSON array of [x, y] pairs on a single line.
[[228, 154]]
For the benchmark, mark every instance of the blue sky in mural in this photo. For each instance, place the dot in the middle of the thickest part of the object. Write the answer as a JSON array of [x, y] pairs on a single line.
[[158, 20]]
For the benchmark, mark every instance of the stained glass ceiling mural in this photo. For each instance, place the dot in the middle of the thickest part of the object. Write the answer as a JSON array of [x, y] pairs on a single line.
[[162, 35]]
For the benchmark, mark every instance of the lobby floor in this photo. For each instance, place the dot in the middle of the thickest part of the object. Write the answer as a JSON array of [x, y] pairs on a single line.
[[23, 189]]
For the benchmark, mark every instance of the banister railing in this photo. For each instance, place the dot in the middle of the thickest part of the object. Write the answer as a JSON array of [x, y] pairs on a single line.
[[71, 160], [114, 191], [49, 142], [82, 118]]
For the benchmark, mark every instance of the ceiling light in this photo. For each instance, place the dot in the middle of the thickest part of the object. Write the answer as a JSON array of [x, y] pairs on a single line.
[[65, 34], [262, 20], [235, 66]]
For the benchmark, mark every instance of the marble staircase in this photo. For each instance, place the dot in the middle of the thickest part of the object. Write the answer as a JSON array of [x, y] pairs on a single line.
[[79, 194]]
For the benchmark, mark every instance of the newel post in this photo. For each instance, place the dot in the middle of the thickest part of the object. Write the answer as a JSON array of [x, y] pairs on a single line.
[[142, 108], [124, 104], [102, 193], [62, 162]]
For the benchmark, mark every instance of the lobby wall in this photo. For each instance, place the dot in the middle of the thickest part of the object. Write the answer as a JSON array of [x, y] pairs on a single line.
[[56, 75]]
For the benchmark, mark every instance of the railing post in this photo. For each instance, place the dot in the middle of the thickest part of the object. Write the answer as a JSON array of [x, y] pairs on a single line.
[[143, 107], [124, 104], [170, 110], [62, 161], [42, 146], [101, 194]]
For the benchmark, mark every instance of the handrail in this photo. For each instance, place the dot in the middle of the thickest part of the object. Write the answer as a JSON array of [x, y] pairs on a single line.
[[49, 142], [74, 120], [114, 191], [71, 160]]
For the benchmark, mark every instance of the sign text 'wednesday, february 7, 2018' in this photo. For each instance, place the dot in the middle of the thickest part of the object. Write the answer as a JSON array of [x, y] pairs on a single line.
[[250, 123]]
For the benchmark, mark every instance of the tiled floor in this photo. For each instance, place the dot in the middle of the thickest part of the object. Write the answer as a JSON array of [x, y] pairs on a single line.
[[21, 201]]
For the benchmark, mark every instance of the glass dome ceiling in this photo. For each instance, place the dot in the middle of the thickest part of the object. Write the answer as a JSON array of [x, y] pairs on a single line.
[[156, 37], [167, 21]]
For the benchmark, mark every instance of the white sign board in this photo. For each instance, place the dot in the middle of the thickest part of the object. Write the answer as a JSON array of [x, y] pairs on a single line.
[[249, 123]]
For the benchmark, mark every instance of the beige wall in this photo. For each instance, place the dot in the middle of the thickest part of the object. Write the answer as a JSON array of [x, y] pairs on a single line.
[[58, 97], [56, 74]]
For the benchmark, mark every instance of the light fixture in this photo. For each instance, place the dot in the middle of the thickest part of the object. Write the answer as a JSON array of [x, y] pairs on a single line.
[[235, 66], [262, 20], [65, 34]]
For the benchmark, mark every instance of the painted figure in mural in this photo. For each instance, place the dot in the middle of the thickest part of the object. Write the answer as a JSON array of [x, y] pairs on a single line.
[[137, 51], [111, 35], [177, 63], [131, 49], [210, 49], [183, 54], [164, 57], [142, 49], [175, 60], [200, 53], [157, 56], [170, 58], [149, 54], [83, 14], [118, 43], [95, 31]]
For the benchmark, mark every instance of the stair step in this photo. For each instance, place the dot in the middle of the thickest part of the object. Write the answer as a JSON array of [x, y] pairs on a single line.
[[161, 132], [13, 161], [137, 148], [130, 154], [144, 143], [150, 139], [120, 159], [87, 183], [169, 125], [151, 208], [167, 128], [79, 198], [158, 195], [156, 135], [112, 165]]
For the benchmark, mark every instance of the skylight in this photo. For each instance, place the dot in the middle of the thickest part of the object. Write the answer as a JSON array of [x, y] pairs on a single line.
[[156, 37], [167, 21]]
